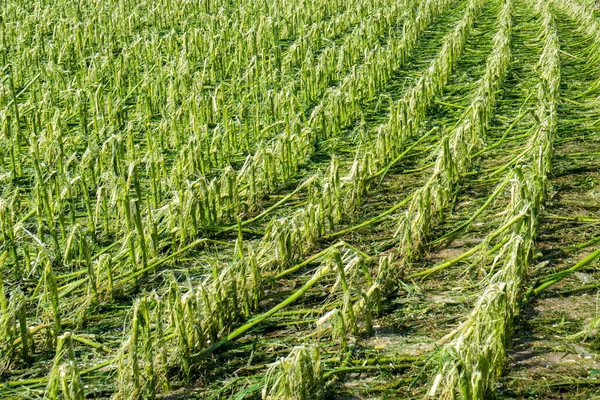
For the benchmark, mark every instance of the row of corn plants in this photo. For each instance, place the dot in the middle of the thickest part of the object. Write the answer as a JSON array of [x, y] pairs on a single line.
[[473, 357], [54, 131], [584, 15], [456, 148], [337, 193], [92, 173], [117, 81], [193, 324], [241, 112], [379, 151], [281, 377], [96, 230], [277, 162]]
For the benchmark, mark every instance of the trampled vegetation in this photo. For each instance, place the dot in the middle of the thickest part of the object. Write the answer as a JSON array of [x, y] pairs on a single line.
[[299, 199]]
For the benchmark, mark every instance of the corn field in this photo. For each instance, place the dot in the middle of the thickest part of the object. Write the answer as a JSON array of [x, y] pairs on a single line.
[[360, 199]]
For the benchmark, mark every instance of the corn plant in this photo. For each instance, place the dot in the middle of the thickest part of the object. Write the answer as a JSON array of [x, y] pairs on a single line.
[[64, 376], [143, 359], [297, 376]]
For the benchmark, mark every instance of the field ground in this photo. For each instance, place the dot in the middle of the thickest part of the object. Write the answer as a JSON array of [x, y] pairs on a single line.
[[298, 200]]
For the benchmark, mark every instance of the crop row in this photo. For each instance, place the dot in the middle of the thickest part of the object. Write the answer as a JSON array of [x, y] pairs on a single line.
[[471, 360]]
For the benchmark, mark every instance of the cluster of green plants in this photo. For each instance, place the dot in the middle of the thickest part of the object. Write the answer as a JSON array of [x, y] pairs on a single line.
[[472, 358], [136, 138]]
